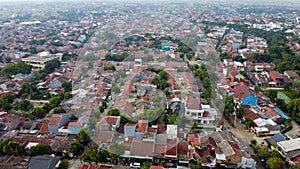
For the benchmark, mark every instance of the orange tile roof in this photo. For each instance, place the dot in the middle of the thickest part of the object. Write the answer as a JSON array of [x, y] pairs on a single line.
[[55, 120]]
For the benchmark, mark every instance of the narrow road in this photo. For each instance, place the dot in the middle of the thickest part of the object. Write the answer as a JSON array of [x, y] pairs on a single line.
[[245, 137]]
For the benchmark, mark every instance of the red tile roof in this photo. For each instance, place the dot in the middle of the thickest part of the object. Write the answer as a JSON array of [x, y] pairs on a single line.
[[183, 148], [85, 166], [159, 149], [142, 125], [276, 74], [194, 140], [55, 120], [109, 120], [171, 149], [44, 128]]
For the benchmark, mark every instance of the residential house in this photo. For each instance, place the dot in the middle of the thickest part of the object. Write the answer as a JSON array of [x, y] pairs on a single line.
[[231, 151], [129, 130], [142, 149], [110, 123], [276, 77], [57, 121], [247, 163], [45, 162], [136, 130], [80, 124], [243, 96], [276, 138], [7, 162], [289, 148], [291, 74]]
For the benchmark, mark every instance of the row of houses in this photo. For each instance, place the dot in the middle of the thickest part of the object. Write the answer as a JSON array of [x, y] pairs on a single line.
[[173, 145]]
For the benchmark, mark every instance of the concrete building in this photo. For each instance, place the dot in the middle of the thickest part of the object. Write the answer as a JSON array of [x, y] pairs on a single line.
[[289, 148], [40, 60]]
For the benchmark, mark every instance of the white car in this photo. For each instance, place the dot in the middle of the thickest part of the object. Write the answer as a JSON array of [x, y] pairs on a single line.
[[135, 165]]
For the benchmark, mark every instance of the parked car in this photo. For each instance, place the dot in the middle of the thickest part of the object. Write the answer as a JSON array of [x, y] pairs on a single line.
[[135, 165]]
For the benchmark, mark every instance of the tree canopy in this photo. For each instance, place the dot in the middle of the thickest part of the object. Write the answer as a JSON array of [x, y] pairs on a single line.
[[20, 67], [113, 112], [39, 149], [10, 147]]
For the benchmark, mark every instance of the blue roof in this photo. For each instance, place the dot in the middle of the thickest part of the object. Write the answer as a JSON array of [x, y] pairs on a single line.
[[278, 137], [281, 113]]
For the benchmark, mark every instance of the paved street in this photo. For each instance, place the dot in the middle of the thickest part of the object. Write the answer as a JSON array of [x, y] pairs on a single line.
[[244, 136]]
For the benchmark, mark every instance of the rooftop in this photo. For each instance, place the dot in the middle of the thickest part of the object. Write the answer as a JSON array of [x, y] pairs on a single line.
[[290, 145]]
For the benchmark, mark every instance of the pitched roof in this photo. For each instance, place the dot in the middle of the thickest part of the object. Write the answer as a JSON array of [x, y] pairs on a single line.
[[291, 74], [55, 119], [44, 162], [241, 91], [182, 147], [109, 120], [276, 74], [230, 148], [171, 148], [207, 140], [194, 139], [142, 125], [142, 148], [278, 137]]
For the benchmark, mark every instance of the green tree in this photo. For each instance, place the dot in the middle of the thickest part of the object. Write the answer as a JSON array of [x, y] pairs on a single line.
[[172, 118], [19, 67], [109, 67], [55, 101], [10, 147], [39, 149], [24, 105], [38, 112], [163, 75], [76, 148], [275, 163], [113, 112], [90, 156], [199, 161], [256, 89], [73, 117], [253, 142], [103, 155], [229, 109], [272, 94], [194, 125], [115, 150], [7, 59], [6, 102], [64, 164], [294, 109], [67, 95], [240, 112], [84, 137], [101, 109], [59, 110], [248, 122], [146, 165], [67, 86], [104, 104], [52, 65]]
